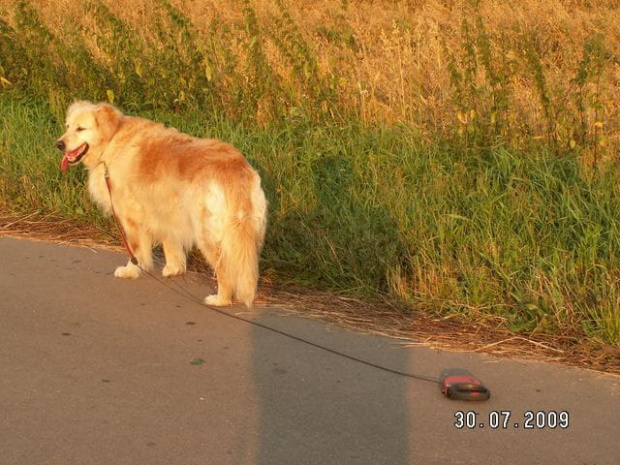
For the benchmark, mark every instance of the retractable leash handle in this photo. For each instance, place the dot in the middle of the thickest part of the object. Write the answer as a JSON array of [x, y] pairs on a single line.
[[460, 384]]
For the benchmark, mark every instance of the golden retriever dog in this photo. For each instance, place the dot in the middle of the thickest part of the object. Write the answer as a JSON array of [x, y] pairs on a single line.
[[172, 189]]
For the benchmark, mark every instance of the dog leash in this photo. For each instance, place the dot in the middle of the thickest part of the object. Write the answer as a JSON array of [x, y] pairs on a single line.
[[121, 231], [455, 384]]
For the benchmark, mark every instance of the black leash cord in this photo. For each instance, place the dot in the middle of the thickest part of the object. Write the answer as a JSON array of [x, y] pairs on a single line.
[[188, 295], [473, 390]]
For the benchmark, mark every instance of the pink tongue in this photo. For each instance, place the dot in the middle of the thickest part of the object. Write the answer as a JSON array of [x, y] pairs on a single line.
[[70, 157]]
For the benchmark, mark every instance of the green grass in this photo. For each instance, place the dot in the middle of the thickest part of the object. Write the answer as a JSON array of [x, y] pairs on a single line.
[[481, 217], [528, 240]]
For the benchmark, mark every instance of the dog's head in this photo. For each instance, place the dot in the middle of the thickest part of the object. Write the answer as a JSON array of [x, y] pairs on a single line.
[[89, 129]]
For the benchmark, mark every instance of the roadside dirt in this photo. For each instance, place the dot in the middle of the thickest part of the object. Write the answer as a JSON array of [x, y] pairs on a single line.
[[413, 328]]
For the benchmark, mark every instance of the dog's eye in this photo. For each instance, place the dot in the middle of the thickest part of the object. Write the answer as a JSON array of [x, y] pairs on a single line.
[[79, 129]]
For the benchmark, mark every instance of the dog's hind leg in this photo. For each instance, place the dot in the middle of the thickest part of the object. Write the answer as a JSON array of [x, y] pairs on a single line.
[[175, 259], [212, 255]]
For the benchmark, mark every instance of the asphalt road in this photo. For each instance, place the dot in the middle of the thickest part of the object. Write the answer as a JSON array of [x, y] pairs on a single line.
[[98, 370]]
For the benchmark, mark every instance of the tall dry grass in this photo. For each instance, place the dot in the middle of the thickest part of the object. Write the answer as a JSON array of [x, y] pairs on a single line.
[[524, 70]]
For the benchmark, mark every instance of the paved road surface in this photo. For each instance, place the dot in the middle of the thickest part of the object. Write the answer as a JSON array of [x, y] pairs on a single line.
[[97, 370]]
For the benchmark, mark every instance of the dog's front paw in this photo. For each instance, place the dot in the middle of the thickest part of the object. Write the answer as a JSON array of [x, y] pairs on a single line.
[[217, 301], [170, 270], [127, 272]]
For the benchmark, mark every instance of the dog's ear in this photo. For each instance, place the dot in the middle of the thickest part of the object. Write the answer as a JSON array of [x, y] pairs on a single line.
[[108, 118]]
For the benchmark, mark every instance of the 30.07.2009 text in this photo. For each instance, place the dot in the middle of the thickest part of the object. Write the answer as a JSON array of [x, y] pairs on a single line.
[[505, 419]]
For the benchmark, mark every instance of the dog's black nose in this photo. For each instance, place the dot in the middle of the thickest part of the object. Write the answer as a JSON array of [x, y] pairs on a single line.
[[61, 145]]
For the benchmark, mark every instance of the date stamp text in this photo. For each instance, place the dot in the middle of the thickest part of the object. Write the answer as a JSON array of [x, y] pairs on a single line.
[[506, 419]]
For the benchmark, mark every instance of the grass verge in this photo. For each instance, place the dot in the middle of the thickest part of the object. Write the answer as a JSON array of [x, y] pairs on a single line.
[[526, 242]]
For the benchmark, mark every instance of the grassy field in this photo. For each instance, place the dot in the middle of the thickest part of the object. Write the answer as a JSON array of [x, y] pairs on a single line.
[[456, 157]]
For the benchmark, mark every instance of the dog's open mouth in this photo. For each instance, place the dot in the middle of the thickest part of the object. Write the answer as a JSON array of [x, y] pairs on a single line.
[[73, 157]]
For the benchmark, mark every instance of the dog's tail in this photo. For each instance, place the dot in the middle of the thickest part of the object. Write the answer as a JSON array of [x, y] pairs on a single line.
[[241, 246]]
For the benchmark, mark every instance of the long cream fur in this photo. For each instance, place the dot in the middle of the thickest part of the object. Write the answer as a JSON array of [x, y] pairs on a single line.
[[173, 189]]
